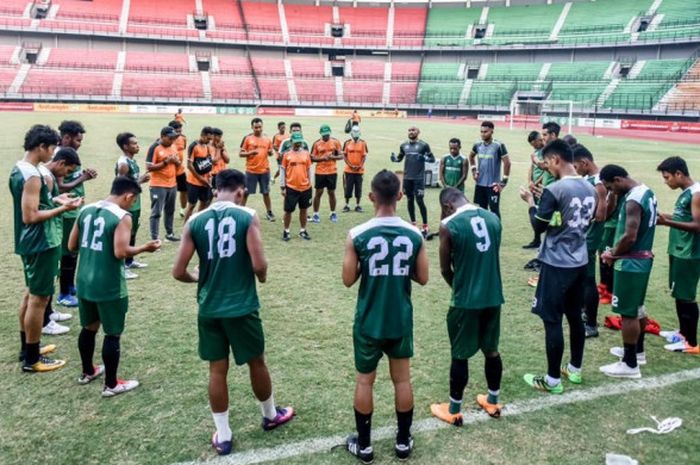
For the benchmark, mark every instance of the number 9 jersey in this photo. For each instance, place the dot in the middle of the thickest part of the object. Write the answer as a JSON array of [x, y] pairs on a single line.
[[226, 287], [386, 249]]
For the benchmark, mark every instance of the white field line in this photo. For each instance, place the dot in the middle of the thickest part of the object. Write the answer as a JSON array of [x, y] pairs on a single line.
[[324, 444]]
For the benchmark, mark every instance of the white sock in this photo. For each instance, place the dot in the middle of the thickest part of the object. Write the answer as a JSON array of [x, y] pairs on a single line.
[[286, 230], [223, 430], [268, 408], [302, 230], [552, 381], [495, 393], [333, 212], [573, 369]]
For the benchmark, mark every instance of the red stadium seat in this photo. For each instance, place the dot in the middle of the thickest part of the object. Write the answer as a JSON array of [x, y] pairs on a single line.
[[68, 82], [7, 76], [157, 62], [81, 58], [158, 85], [362, 91], [236, 87], [409, 26]]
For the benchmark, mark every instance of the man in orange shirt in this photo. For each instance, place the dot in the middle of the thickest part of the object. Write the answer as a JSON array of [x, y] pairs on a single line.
[[256, 148], [296, 185], [162, 163], [181, 144], [220, 156], [355, 118], [179, 117], [199, 166], [325, 152], [355, 153], [277, 140]]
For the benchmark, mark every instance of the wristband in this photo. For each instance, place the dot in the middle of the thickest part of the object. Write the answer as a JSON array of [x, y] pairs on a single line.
[[504, 180]]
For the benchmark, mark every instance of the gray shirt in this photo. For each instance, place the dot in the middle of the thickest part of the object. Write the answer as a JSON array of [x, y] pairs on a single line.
[[489, 161], [567, 207], [416, 154]]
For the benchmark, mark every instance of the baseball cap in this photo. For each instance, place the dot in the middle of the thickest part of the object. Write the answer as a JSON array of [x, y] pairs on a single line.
[[168, 132], [325, 130], [297, 137]]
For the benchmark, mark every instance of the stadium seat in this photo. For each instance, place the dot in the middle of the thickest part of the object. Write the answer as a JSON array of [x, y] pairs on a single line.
[[307, 23], [7, 76], [362, 91], [233, 64], [157, 62], [510, 27], [6, 52], [367, 69], [68, 82], [268, 66], [94, 10], [316, 90], [71, 58], [225, 13], [409, 26], [232, 87], [367, 25], [174, 14], [263, 21], [513, 71], [273, 89], [308, 67], [156, 85], [447, 26], [13, 7]]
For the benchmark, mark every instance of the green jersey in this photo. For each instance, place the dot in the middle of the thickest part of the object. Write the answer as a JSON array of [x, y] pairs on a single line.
[[537, 172], [226, 287], [454, 167], [34, 238], [134, 173], [100, 275], [475, 235], [684, 244], [646, 199], [77, 191], [386, 248], [595, 231]]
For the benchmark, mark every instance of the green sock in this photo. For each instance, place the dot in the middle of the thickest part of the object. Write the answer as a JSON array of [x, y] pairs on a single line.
[[455, 406], [492, 397]]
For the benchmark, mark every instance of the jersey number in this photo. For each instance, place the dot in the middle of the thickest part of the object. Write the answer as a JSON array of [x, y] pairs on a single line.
[[480, 231], [400, 266], [96, 242], [226, 245], [582, 218]]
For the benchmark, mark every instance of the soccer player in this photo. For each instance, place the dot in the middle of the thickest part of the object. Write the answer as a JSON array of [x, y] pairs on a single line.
[[485, 159], [683, 251], [127, 166], [537, 176], [385, 254], [454, 166], [162, 165], [470, 238], [228, 242], [296, 185], [277, 140], [181, 145], [632, 258], [565, 211], [416, 152], [325, 152], [355, 153], [256, 148], [550, 131], [102, 234], [37, 241], [220, 157], [72, 133], [287, 143], [585, 166], [199, 166]]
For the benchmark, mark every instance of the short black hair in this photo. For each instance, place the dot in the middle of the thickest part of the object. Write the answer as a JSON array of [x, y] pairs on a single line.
[[175, 124], [386, 186], [68, 155], [255, 121], [487, 124], [558, 147], [71, 128], [125, 185], [206, 130], [40, 134], [454, 140], [610, 172], [123, 139], [217, 132], [280, 124], [570, 139], [580, 151], [450, 195], [551, 126], [673, 164], [534, 135], [229, 180], [295, 125]]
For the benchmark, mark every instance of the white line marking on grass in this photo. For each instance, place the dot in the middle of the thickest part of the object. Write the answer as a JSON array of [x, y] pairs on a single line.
[[318, 445]]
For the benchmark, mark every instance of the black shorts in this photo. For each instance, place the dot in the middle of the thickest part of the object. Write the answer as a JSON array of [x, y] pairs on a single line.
[[198, 193], [485, 197], [326, 181], [294, 198], [253, 180], [181, 182], [414, 187], [353, 182], [559, 291]]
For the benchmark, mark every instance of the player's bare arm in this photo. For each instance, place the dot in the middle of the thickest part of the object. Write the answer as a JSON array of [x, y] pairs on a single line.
[[601, 204], [626, 242], [69, 186], [441, 171], [420, 274], [122, 236], [30, 203], [465, 172], [254, 243], [666, 219], [182, 260], [351, 264], [472, 163], [445, 253]]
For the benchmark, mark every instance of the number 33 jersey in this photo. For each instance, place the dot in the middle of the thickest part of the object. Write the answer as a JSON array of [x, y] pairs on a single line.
[[226, 287], [568, 205], [475, 238], [387, 248]]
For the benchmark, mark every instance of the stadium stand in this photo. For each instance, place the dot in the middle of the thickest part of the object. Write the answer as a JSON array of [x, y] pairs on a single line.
[[513, 71], [578, 71], [6, 52], [362, 91], [308, 67], [448, 26], [70, 58], [509, 26], [273, 89], [364, 26], [7, 76], [154, 85], [150, 18], [236, 87], [13, 7], [686, 94], [95, 10], [585, 24], [159, 62], [269, 66], [262, 21], [307, 24], [676, 21], [409, 26], [67, 82], [233, 64]]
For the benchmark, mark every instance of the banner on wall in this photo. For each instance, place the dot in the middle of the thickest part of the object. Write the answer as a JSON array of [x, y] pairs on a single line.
[[16, 106], [368, 113], [599, 123], [282, 111], [235, 110], [81, 107], [172, 109]]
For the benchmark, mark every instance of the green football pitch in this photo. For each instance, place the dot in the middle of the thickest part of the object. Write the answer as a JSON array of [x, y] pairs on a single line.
[[308, 314]]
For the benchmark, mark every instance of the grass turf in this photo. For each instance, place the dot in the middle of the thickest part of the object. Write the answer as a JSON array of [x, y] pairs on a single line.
[[308, 316]]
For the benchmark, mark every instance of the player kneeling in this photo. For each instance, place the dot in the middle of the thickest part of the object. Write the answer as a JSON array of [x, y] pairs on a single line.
[[227, 239], [470, 238]]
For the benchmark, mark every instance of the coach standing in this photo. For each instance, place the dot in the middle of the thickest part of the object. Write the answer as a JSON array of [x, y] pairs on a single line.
[[162, 163], [487, 169]]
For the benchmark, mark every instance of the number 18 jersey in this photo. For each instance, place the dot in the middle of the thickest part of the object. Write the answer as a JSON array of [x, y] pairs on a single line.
[[475, 235], [387, 248], [226, 287]]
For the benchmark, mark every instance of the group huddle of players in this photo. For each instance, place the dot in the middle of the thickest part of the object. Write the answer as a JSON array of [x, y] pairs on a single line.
[[386, 254]]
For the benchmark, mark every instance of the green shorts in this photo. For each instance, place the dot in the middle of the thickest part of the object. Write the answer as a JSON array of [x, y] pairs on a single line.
[[244, 335], [629, 292], [607, 239], [135, 218], [683, 277], [592, 262], [40, 271], [111, 314], [368, 351], [67, 227], [472, 330]]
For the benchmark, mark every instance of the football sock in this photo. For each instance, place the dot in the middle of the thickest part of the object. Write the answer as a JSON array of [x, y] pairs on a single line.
[[606, 275], [32, 353], [47, 312], [459, 377], [364, 428], [223, 430], [86, 347], [68, 263], [681, 319], [412, 208], [552, 381], [554, 345], [287, 231], [22, 341], [423, 209], [577, 336], [268, 408], [404, 420], [269, 212], [573, 369], [301, 230], [591, 299], [689, 321], [642, 332], [493, 396], [493, 369], [110, 357], [630, 357]]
